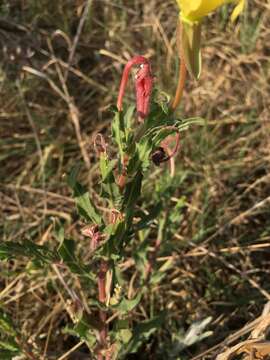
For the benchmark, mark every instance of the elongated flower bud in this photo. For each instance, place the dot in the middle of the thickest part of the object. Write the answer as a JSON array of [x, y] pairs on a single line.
[[143, 85], [136, 60]]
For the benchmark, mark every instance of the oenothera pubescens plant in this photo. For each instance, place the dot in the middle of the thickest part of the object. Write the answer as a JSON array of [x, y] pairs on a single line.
[[142, 139], [124, 218]]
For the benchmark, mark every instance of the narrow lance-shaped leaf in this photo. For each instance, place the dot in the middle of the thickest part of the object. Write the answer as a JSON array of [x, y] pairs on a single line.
[[143, 330], [6, 325], [132, 193], [125, 306], [85, 206], [10, 249], [66, 252], [118, 133], [110, 189]]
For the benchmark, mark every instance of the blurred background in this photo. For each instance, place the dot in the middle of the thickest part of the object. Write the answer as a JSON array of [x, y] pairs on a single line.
[[60, 68]]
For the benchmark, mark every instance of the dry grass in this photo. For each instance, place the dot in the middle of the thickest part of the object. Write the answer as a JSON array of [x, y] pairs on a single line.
[[56, 89]]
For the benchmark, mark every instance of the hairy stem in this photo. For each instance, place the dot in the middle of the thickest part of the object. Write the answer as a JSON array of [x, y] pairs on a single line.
[[102, 314]]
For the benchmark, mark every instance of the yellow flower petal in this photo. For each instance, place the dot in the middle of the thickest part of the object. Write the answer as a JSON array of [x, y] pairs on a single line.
[[194, 10], [237, 10]]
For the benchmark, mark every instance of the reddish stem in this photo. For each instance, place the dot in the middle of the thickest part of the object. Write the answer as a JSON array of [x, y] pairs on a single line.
[[171, 153], [102, 298], [123, 176]]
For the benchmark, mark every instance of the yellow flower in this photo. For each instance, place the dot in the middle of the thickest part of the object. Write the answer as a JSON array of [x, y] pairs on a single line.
[[195, 10], [191, 14]]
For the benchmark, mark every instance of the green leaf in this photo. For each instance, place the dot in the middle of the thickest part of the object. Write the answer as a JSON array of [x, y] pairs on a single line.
[[140, 158], [163, 100], [6, 325], [84, 326], [121, 324], [144, 149], [106, 168], [59, 232], [125, 306], [66, 252], [118, 233], [133, 191], [100, 305], [147, 220], [118, 133], [161, 134], [124, 335], [183, 125], [7, 354], [144, 330], [175, 214], [161, 272], [9, 345], [140, 256], [38, 253], [122, 130], [128, 117], [84, 330], [121, 331], [110, 189], [85, 206]]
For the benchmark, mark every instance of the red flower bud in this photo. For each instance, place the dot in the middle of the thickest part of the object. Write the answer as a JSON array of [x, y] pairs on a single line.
[[143, 85]]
